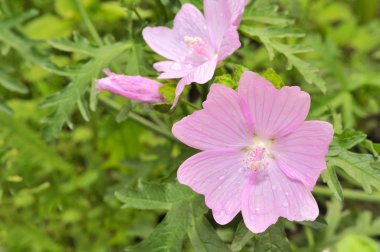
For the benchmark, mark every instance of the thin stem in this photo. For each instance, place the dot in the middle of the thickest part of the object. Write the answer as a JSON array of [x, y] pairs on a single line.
[[350, 194], [87, 21], [139, 119]]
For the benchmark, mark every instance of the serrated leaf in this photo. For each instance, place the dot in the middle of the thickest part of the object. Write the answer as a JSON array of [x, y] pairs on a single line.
[[169, 234], [319, 223], [272, 240], [154, 196], [238, 70], [226, 80], [329, 176], [273, 78], [201, 233], [242, 236], [12, 85], [360, 167]]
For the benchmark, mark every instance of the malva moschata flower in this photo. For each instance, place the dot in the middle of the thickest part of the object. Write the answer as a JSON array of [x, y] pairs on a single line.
[[131, 87], [258, 154], [197, 43]]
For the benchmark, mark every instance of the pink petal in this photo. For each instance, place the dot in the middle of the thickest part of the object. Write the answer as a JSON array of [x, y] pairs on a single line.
[[132, 87], [301, 154], [190, 22], [275, 113], [237, 9], [216, 175], [172, 70], [270, 194], [229, 44], [165, 42], [218, 19], [221, 124], [200, 75]]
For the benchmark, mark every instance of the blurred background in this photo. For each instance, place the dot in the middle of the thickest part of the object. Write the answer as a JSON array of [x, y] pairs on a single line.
[[64, 151]]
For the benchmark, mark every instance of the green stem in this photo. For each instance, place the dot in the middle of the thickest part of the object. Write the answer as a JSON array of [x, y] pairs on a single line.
[[350, 194], [139, 119], [87, 21]]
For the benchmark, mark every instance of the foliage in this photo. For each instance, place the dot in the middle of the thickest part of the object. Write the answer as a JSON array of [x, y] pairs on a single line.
[[82, 171]]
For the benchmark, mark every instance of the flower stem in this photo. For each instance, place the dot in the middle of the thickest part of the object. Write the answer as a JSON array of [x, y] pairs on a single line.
[[350, 194], [139, 119], [87, 21]]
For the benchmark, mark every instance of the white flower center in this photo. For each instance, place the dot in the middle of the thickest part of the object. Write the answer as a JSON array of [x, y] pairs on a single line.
[[192, 41], [256, 156]]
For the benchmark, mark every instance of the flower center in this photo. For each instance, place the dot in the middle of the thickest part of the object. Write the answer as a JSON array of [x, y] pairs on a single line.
[[256, 157], [199, 49]]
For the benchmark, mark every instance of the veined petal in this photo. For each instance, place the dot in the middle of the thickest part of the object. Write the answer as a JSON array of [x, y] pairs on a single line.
[[270, 194], [200, 75], [237, 9], [172, 69], [165, 42], [216, 175], [275, 113], [220, 124], [301, 154], [189, 22], [229, 44], [218, 19]]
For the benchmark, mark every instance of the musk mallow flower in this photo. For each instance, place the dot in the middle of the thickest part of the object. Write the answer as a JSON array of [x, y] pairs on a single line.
[[131, 87], [258, 154], [197, 43]]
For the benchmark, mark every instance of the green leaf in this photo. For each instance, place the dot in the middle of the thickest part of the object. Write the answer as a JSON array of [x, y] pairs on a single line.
[[273, 78], [329, 177], [124, 112], [4, 108], [12, 85], [169, 234], [47, 27], [238, 70], [203, 236], [226, 80], [273, 240], [168, 92], [154, 196], [360, 167], [346, 140], [242, 236], [319, 223]]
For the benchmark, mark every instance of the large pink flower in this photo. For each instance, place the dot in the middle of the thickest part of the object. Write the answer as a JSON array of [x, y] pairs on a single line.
[[259, 155], [131, 87], [197, 43]]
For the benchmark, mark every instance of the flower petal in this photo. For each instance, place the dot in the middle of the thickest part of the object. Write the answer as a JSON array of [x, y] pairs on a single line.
[[229, 44], [270, 194], [301, 154], [165, 42], [275, 113], [172, 70], [190, 22], [221, 124], [200, 75], [216, 175], [218, 19], [237, 9]]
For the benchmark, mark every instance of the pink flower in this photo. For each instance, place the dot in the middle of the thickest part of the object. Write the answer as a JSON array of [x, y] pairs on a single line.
[[258, 155], [197, 43], [132, 87]]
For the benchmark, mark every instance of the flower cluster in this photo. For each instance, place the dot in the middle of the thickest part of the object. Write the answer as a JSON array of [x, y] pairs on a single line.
[[258, 154]]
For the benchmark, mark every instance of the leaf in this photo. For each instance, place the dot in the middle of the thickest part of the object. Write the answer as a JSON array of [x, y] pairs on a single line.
[[168, 92], [226, 80], [154, 196], [201, 233], [204, 238], [65, 100], [273, 240], [124, 112], [346, 140], [319, 223], [169, 234], [329, 177], [47, 27], [12, 85], [270, 36], [4, 108], [242, 236], [360, 167], [273, 78]]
